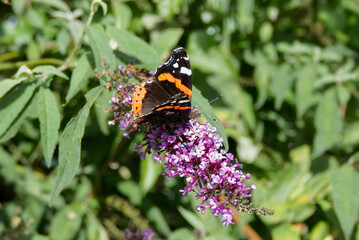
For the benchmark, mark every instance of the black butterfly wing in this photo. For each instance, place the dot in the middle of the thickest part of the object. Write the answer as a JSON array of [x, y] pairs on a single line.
[[168, 97]]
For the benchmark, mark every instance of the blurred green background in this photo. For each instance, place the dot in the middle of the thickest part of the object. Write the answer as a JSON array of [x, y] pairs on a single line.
[[288, 72]]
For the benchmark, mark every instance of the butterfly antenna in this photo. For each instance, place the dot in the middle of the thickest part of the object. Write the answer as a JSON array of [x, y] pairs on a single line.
[[219, 97]]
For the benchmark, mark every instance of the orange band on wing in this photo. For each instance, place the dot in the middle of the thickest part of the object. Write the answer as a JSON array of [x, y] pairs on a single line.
[[172, 107], [140, 93], [179, 85]]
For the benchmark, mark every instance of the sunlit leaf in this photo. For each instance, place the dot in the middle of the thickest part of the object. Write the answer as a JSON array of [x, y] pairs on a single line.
[[150, 171], [166, 40], [345, 182], [135, 47], [20, 119], [49, 69], [100, 45], [67, 221], [192, 219], [281, 80], [7, 84], [327, 123], [304, 89], [13, 102], [79, 77]]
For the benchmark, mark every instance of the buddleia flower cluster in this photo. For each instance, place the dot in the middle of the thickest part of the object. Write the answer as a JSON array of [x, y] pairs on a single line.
[[191, 150]]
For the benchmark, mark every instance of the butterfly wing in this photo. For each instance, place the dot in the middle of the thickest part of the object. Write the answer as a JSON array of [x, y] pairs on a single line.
[[168, 97]]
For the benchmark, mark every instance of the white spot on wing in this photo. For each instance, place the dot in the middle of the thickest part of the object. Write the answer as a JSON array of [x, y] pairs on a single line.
[[185, 70], [175, 65]]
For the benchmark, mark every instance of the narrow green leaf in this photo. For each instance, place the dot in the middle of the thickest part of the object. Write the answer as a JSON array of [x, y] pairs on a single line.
[[245, 11], [345, 182], [304, 89], [7, 84], [207, 111], [261, 77], [70, 145], [76, 28], [238, 99], [16, 125], [149, 173], [327, 123], [101, 104], [79, 77], [13, 102], [193, 219], [59, 4], [100, 45], [135, 47], [67, 221], [49, 69], [63, 39], [351, 135], [166, 40], [281, 80], [284, 231], [94, 228], [155, 215], [49, 117]]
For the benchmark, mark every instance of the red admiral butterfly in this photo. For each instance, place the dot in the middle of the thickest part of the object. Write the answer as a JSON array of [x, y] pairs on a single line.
[[167, 98]]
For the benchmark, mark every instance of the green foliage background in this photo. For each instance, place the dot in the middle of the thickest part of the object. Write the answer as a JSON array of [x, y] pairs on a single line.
[[289, 77]]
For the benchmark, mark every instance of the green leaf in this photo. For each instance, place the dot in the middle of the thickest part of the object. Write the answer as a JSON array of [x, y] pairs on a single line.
[[12, 104], [59, 4], [193, 219], [207, 111], [103, 5], [18, 6], [7, 84], [284, 231], [131, 190], [16, 125], [155, 215], [63, 40], [49, 69], [135, 47], [345, 182], [245, 11], [100, 46], [76, 28], [49, 117], [101, 104], [70, 145], [94, 229], [66, 222], [327, 123], [166, 40], [351, 135], [238, 99], [281, 80], [149, 173], [343, 93], [183, 233], [304, 89], [79, 77], [261, 78]]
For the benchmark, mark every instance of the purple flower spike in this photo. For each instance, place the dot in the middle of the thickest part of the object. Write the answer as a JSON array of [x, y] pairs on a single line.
[[191, 151]]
